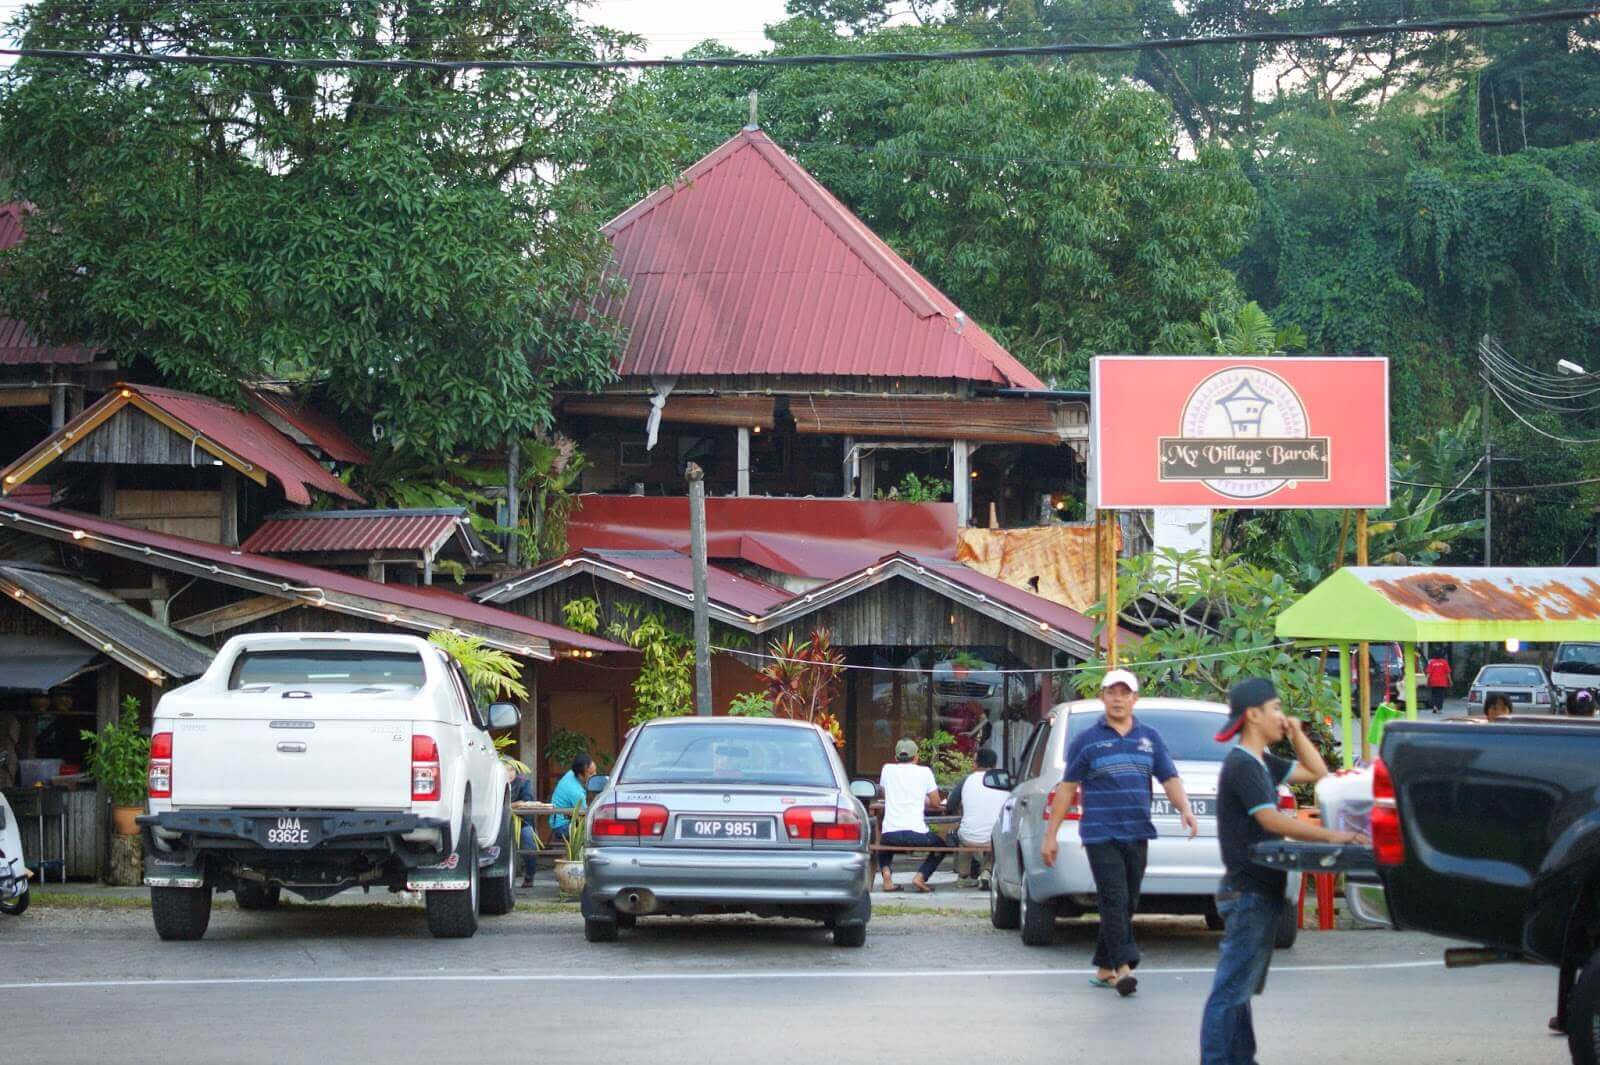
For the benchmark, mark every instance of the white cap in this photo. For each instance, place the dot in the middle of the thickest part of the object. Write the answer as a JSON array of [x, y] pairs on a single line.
[[1120, 676]]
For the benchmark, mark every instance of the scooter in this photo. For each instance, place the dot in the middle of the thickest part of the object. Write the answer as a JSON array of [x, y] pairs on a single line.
[[14, 875]]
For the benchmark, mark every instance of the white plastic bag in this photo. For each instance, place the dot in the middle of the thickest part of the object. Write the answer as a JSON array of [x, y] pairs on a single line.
[[1345, 800]]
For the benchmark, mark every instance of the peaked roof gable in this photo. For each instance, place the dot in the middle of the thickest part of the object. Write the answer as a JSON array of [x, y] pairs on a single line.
[[240, 439], [750, 266]]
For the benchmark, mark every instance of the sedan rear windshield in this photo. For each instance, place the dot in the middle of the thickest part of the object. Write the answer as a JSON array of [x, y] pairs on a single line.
[[345, 668], [728, 754], [1189, 734], [1522, 676]]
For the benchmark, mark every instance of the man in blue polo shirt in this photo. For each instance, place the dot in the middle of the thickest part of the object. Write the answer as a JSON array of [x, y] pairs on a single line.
[[1112, 763]]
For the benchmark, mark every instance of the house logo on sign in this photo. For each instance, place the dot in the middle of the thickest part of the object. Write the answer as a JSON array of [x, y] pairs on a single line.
[[1244, 433]]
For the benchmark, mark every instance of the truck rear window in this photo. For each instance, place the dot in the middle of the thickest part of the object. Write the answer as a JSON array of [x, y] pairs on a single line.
[[344, 668]]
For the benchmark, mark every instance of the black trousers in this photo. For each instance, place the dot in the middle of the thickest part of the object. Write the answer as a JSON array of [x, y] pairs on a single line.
[[913, 839], [1438, 695], [1118, 868]]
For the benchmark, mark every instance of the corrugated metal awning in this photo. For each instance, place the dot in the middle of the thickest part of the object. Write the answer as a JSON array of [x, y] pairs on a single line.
[[690, 410], [319, 531], [39, 663], [1013, 421], [104, 623]]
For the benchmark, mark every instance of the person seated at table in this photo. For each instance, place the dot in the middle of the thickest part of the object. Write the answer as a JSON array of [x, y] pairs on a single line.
[[979, 808], [572, 793], [527, 842], [909, 792]]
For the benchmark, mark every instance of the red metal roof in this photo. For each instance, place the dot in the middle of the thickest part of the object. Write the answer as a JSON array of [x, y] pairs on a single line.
[[18, 346], [356, 530], [670, 568], [750, 266], [323, 432], [822, 538], [296, 575]]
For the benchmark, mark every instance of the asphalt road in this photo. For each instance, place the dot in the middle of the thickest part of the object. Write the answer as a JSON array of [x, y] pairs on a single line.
[[357, 984]]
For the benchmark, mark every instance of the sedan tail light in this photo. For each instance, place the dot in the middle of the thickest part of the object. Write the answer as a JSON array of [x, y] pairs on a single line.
[[1074, 812], [1388, 841], [638, 820], [426, 784], [822, 824], [1542, 697], [160, 769], [1475, 695]]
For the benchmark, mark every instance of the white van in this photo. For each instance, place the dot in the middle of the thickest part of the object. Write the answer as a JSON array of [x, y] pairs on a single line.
[[1577, 666]]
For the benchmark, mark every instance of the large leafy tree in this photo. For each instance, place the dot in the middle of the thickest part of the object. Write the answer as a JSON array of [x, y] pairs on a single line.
[[418, 240], [1054, 205]]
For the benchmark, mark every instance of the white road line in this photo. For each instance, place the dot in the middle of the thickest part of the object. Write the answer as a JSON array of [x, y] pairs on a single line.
[[659, 977]]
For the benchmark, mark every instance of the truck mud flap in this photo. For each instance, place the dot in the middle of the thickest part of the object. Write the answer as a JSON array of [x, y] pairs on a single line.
[[448, 875], [172, 872]]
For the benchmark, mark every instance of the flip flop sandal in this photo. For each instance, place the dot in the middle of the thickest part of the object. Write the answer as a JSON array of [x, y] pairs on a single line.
[[1127, 986], [894, 887], [1095, 981]]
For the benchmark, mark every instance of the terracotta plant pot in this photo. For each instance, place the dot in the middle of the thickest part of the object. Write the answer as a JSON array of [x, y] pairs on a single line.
[[122, 820], [569, 877]]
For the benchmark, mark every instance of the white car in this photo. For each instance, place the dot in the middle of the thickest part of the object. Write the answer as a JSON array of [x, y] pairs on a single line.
[[319, 762], [1181, 874], [13, 873]]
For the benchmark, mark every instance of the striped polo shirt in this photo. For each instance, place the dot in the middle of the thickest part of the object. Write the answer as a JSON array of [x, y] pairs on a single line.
[[1114, 773]]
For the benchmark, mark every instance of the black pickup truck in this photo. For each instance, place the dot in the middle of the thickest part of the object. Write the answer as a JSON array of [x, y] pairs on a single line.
[[1491, 834]]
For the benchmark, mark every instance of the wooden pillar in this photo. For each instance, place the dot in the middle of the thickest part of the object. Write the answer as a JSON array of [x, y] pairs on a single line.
[[1348, 749], [742, 486], [961, 454], [375, 571], [58, 401], [528, 727], [849, 468], [108, 492], [230, 508]]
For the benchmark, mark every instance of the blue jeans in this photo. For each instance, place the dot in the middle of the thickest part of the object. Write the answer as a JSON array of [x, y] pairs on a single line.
[[913, 839], [1227, 1036]]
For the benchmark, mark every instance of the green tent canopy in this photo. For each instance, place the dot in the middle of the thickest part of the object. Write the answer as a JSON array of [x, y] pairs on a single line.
[[1415, 604]]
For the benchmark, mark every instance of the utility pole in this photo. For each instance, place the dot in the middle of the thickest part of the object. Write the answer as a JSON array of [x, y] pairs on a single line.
[[1364, 649], [513, 503], [702, 618], [1488, 484]]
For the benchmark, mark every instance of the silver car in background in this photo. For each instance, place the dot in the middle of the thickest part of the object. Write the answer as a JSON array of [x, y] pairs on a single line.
[[724, 815], [1526, 686], [1181, 874]]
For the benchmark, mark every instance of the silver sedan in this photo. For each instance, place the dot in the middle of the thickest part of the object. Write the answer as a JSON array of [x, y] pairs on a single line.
[[1526, 686], [727, 814]]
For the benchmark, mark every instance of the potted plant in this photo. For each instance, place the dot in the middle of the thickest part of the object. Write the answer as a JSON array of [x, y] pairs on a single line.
[[569, 872], [119, 758]]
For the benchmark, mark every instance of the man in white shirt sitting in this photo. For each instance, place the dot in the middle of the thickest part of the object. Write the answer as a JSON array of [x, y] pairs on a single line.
[[979, 807], [909, 791]]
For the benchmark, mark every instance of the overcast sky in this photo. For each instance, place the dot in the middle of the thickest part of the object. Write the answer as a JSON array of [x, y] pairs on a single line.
[[669, 26]]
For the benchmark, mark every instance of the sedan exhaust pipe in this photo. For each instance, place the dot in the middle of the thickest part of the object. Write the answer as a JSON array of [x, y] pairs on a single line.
[[638, 902]]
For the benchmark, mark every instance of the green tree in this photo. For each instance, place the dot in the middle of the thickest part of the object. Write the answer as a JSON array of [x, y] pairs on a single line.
[[418, 240], [1051, 204]]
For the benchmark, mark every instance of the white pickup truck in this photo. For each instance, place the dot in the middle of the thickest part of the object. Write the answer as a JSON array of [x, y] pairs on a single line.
[[324, 761]]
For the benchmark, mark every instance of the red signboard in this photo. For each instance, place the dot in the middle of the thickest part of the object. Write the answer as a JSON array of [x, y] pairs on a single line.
[[1179, 431]]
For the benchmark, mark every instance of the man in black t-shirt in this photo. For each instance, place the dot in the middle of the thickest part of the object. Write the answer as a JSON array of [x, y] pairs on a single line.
[[1250, 897]]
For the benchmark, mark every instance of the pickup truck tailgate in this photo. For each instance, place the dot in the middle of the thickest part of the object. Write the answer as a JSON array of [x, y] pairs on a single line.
[[343, 754]]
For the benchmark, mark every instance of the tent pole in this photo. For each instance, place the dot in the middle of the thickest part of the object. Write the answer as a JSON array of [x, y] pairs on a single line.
[[1348, 751], [1410, 651]]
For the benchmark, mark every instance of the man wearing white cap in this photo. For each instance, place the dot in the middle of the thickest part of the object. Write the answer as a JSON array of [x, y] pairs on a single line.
[[1112, 763]]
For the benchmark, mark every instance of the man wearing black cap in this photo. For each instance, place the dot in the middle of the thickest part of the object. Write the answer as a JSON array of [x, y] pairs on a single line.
[[1250, 897]]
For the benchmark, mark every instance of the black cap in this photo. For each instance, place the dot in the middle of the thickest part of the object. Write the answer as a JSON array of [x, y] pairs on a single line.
[[1252, 691]]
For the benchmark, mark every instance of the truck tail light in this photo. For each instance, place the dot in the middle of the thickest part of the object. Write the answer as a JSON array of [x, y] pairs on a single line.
[[1388, 841], [160, 771], [636, 820], [822, 824], [425, 777], [1287, 801]]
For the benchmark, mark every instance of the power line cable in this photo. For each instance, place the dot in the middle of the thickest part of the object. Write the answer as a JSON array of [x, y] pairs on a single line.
[[1519, 416], [835, 59]]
